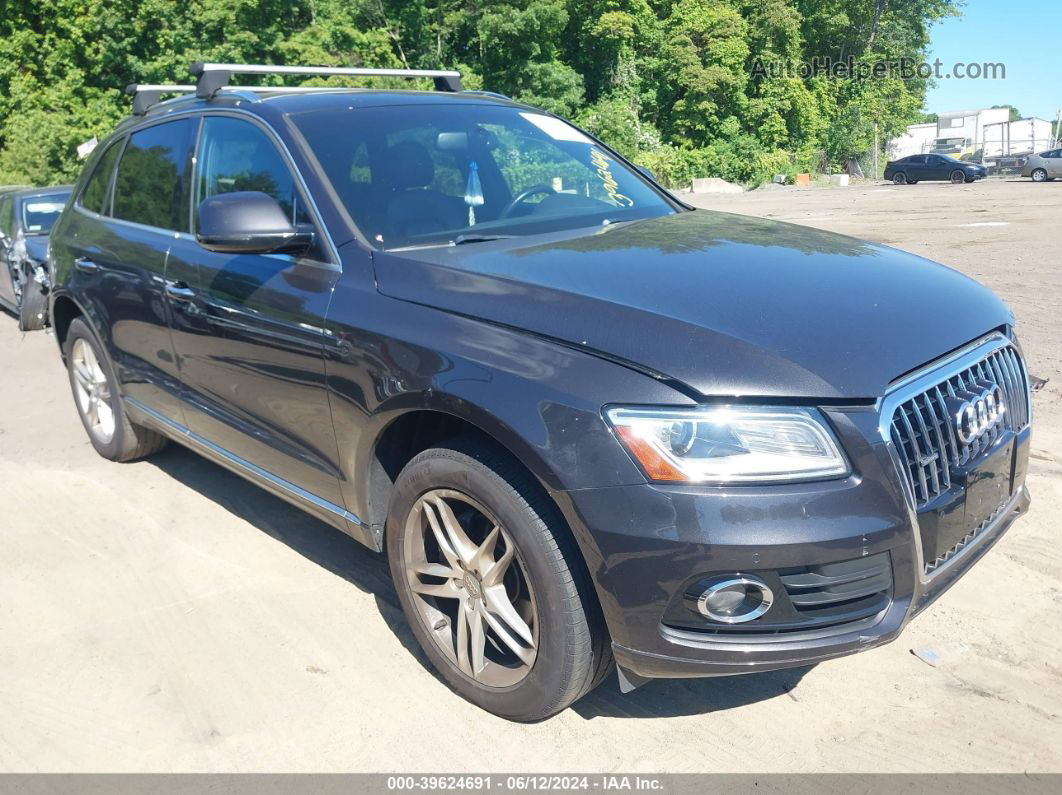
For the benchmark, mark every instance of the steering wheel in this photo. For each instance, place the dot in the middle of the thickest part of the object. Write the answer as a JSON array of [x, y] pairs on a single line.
[[523, 196]]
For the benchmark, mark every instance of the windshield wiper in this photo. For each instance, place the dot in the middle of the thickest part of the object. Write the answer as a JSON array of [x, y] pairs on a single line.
[[460, 240]]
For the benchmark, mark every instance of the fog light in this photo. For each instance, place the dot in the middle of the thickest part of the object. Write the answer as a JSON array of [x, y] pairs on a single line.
[[736, 600]]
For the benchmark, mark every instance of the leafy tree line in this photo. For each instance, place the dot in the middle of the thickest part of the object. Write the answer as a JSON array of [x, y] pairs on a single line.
[[673, 84]]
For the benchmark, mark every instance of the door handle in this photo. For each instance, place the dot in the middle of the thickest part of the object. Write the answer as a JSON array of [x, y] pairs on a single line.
[[179, 291], [85, 265]]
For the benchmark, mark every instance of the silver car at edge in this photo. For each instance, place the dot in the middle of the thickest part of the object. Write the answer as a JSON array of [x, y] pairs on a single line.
[[1043, 167]]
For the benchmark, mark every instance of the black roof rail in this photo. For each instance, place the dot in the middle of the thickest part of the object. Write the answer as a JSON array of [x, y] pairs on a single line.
[[212, 77], [481, 92], [146, 95]]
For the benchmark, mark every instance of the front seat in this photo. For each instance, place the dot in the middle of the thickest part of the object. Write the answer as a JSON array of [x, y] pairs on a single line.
[[414, 209]]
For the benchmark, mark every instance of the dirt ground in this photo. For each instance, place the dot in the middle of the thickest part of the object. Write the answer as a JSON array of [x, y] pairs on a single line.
[[168, 616]]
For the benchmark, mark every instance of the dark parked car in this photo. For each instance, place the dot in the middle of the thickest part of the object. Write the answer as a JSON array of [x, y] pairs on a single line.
[[918, 168], [26, 218], [583, 421]]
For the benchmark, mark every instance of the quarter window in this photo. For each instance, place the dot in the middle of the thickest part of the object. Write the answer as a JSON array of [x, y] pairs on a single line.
[[97, 193], [149, 187]]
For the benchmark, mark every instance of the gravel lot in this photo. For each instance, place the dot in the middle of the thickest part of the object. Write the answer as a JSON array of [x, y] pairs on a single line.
[[168, 616]]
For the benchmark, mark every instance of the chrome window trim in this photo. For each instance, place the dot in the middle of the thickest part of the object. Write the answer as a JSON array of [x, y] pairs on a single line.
[[915, 384], [199, 113]]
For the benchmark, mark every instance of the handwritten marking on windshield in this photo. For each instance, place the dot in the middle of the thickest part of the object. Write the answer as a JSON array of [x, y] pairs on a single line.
[[608, 181]]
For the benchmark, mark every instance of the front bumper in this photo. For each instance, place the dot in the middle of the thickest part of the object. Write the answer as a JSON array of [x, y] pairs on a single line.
[[651, 542]]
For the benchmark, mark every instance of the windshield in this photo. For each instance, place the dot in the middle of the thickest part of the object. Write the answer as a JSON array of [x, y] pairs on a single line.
[[39, 213], [445, 174]]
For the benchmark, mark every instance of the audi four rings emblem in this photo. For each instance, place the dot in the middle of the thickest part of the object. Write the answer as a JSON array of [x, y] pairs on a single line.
[[978, 410]]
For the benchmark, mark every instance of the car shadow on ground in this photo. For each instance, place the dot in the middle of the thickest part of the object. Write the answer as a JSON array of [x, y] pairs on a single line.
[[366, 570]]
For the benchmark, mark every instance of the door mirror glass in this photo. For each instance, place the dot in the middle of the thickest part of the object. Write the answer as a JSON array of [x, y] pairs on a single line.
[[248, 222]]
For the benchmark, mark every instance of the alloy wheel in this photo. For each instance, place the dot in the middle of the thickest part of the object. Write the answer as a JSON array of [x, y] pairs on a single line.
[[93, 391], [470, 588], [1039, 175]]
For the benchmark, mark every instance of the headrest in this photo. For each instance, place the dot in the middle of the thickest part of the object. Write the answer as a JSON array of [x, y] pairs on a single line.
[[409, 165]]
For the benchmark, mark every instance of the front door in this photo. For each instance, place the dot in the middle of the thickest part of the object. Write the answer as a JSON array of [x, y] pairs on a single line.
[[1054, 163], [249, 329], [938, 167]]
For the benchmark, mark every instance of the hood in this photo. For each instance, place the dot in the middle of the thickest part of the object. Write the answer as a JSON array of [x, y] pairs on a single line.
[[727, 304], [37, 248]]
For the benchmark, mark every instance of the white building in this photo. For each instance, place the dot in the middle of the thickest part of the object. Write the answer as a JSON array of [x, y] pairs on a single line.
[[917, 140], [982, 134]]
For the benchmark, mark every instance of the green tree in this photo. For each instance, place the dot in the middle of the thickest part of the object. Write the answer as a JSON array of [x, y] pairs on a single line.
[[669, 82]]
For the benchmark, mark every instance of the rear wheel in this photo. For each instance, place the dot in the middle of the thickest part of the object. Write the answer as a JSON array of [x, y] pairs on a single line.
[[1039, 175], [899, 178], [492, 584], [98, 403]]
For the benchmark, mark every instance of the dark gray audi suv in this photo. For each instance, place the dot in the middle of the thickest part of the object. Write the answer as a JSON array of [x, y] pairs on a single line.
[[584, 422]]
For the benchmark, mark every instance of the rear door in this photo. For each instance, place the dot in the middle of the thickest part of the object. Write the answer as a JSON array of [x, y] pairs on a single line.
[[125, 225], [249, 329], [915, 166]]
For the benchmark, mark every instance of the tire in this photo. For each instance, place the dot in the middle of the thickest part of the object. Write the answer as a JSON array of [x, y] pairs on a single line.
[[957, 177], [545, 583], [33, 309], [899, 178], [1039, 175], [912, 182], [96, 397]]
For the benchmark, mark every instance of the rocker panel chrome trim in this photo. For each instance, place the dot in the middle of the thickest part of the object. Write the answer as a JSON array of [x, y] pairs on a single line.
[[186, 434]]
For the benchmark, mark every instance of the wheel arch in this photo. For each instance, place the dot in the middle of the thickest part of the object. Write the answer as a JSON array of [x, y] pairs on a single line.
[[405, 431], [64, 310]]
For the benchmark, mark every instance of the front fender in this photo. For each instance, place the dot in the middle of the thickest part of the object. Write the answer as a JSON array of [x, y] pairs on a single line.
[[540, 400]]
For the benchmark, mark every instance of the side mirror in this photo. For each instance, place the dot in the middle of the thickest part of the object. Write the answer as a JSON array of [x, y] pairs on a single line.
[[248, 222]]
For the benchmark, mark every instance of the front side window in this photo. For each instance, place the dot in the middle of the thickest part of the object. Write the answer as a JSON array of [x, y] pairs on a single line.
[[97, 194], [449, 173], [235, 155], [149, 187]]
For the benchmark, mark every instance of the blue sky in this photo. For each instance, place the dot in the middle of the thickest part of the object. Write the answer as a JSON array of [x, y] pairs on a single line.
[[1026, 36]]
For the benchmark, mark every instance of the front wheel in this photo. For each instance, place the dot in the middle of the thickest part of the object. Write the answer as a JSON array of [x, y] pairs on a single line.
[[98, 403], [1039, 175], [492, 584], [957, 177]]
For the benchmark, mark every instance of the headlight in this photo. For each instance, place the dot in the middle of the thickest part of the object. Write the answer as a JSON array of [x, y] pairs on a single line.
[[729, 444]]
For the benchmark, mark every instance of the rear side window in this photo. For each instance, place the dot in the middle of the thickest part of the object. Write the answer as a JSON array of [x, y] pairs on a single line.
[[97, 193], [150, 185]]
